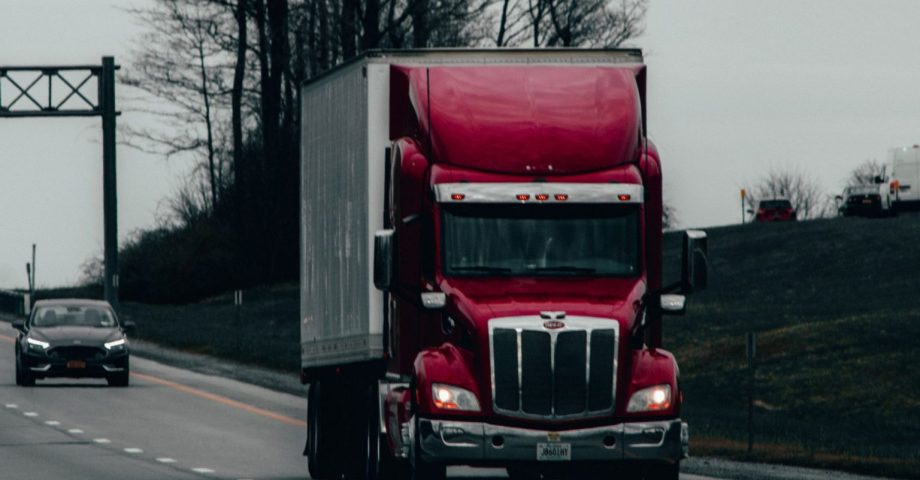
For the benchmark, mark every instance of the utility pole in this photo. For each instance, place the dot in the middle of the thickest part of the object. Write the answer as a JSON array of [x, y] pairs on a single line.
[[751, 354], [743, 194]]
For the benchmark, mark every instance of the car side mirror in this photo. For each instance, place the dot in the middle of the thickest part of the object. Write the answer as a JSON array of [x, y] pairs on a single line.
[[383, 259], [694, 275], [751, 212], [879, 180], [19, 324], [673, 304], [129, 327]]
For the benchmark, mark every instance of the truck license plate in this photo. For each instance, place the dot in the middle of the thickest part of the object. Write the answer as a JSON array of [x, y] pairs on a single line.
[[554, 452], [76, 364]]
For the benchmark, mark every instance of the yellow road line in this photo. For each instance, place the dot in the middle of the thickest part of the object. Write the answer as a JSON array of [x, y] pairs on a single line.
[[208, 396], [221, 399]]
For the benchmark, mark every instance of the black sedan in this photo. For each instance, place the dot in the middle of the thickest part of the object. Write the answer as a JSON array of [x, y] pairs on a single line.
[[72, 338]]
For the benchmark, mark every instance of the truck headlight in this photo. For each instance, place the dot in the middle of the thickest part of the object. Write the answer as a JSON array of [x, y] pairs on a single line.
[[115, 344], [650, 399], [37, 344], [450, 397]]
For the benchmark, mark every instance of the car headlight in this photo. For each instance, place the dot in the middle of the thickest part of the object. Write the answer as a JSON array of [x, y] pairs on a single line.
[[37, 344], [450, 397], [120, 343], [650, 399]]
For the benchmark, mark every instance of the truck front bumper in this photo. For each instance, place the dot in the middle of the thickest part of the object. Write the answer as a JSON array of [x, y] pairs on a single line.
[[456, 442]]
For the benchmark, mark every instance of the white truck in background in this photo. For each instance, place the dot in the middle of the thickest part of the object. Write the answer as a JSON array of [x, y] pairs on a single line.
[[900, 191]]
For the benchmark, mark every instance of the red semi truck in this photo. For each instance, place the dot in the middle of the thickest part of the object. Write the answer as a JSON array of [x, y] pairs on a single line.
[[481, 275]]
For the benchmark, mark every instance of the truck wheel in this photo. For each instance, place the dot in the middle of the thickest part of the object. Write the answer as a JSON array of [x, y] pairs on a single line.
[[661, 471], [323, 455], [419, 469], [374, 461]]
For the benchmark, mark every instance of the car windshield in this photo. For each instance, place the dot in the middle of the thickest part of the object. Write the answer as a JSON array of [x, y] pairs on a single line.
[[73, 316], [775, 204], [541, 240]]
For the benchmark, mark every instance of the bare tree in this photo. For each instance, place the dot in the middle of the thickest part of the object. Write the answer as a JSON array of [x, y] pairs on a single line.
[[802, 191], [865, 173], [178, 61]]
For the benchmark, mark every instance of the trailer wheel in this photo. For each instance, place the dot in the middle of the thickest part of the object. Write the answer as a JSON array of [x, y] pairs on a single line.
[[322, 455]]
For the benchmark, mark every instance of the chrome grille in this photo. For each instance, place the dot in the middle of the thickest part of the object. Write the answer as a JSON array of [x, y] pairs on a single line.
[[567, 372]]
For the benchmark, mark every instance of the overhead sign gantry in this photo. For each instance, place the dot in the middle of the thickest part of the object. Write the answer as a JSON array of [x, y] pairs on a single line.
[[23, 94]]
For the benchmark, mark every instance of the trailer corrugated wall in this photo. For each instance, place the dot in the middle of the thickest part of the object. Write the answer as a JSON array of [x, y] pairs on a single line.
[[341, 312]]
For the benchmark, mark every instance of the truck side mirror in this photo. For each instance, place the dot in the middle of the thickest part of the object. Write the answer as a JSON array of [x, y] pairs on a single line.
[[879, 180], [19, 324], [694, 273], [383, 259]]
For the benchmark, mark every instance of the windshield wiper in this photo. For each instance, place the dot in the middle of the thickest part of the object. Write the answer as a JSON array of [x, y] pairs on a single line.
[[564, 268], [482, 268]]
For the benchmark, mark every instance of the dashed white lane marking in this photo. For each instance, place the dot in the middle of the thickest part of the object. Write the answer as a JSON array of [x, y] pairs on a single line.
[[52, 423], [133, 450], [30, 414], [75, 431], [166, 460], [102, 440], [202, 470], [11, 405]]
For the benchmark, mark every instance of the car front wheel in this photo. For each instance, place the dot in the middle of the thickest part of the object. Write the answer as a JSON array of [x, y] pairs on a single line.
[[24, 377]]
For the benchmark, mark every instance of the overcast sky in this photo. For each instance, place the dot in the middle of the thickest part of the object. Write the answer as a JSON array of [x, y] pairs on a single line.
[[735, 88]]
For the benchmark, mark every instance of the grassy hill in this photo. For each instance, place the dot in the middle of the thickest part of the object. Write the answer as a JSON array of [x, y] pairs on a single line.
[[836, 305]]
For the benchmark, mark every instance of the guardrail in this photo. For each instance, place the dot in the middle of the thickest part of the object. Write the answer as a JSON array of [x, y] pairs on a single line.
[[16, 303]]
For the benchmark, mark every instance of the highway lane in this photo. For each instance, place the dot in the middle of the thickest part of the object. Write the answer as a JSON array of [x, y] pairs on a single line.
[[169, 424]]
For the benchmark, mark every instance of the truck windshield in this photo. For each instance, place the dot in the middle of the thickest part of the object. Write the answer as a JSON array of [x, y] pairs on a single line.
[[541, 240]]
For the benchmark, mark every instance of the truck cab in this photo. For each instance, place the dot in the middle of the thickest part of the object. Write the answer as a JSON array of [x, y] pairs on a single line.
[[512, 230]]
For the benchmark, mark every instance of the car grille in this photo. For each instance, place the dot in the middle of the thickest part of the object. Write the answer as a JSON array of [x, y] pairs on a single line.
[[567, 372], [77, 353]]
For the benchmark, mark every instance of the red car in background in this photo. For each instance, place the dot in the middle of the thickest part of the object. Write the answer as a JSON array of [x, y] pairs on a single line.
[[774, 211]]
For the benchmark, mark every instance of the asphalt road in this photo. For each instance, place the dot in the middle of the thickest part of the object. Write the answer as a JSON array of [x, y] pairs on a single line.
[[169, 424]]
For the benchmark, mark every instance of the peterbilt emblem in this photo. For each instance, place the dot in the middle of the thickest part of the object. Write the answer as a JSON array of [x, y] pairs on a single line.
[[553, 324]]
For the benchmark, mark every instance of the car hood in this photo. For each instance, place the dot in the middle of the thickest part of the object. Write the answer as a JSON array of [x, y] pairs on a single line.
[[87, 335]]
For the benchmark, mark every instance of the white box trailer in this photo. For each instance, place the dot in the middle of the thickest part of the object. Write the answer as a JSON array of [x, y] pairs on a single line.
[[345, 136]]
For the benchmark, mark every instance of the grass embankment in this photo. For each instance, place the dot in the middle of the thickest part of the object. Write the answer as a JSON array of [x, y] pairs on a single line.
[[265, 332], [836, 305]]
